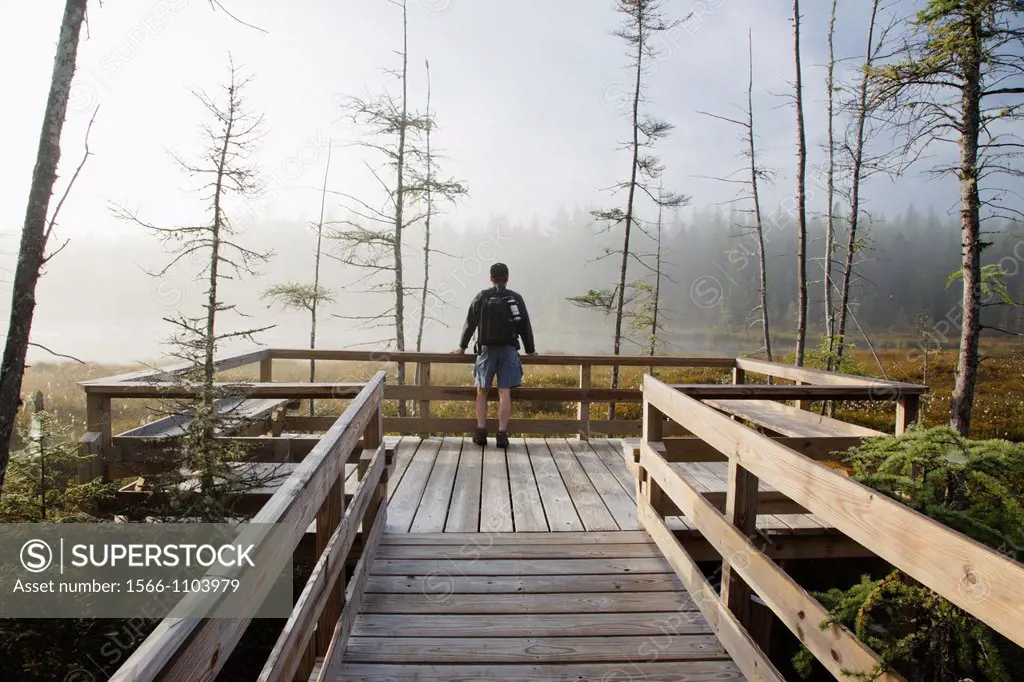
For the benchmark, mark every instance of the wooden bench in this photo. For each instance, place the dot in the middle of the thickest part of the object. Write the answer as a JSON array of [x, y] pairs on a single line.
[[240, 417]]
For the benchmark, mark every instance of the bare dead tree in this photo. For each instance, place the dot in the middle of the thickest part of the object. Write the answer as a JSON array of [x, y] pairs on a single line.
[[641, 21], [862, 111], [830, 191], [957, 77], [429, 188], [751, 192], [205, 466], [429, 199], [801, 198], [34, 232], [372, 239], [306, 296]]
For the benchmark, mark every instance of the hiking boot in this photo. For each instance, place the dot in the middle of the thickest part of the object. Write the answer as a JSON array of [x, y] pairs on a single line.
[[501, 439], [480, 437]]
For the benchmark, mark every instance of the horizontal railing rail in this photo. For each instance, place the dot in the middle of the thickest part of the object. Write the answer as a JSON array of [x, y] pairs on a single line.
[[947, 562], [105, 453], [197, 648]]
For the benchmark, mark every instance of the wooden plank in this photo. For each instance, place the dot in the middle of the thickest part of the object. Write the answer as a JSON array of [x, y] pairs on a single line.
[[532, 427], [554, 625], [783, 392], [527, 584], [942, 559], [493, 549], [433, 508], [613, 459], [164, 654], [517, 566], [282, 389], [523, 394], [353, 598], [525, 538], [495, 494], [221, 363], [405, 500], [405, 449], [527, 508], [635, 671], [542, 359], [590, 507], [558, 506], [836, 648], [284, 658], [747, 655], [464, 510], [817, 376], [523, 649], [621, 505], [574, 602], [696, 450], [789, 421]]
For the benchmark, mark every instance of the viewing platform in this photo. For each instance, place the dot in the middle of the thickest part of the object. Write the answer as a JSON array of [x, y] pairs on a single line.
[[590, 549]]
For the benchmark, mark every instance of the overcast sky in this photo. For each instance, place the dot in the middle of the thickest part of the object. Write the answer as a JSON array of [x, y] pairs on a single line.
[[529, 95]]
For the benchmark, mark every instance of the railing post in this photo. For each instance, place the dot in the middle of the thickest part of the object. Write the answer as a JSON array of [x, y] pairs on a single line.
[[266, 370], [98, 418], [739, 377], [907, 409], [801, 404], [653, 428], [583, 407], [741, 511], [423, 408], [327, 520]]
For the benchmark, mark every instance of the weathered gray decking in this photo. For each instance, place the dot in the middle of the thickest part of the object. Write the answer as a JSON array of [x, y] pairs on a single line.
[[526, 607], [451, 485]]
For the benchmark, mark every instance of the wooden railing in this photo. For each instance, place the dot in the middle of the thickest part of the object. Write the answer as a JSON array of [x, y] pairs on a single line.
[[115, 457], [979, 580], [195, 649]]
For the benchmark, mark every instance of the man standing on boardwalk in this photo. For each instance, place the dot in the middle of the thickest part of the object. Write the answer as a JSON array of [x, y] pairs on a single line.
[[498, 316]]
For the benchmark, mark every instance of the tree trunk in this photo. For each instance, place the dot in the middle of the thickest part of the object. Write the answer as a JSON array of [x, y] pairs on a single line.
[[801, 199], [426, 231], [207, 398], [830, 319], [32, 251], [399, 214], [316, 276], [657, 286], [628, 220], [970, 223], [856, 171], [758, 224]]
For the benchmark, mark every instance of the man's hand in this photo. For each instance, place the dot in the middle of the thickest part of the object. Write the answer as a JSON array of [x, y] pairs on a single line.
[[459, 351]]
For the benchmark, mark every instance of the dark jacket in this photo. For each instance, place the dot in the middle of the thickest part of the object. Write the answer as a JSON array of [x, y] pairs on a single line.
[[473, 317]]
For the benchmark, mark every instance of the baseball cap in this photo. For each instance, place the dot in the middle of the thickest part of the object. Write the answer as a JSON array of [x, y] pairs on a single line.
[[499, 270]]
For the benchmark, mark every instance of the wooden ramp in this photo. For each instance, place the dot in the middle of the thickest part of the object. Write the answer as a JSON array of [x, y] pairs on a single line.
[[529, 606]]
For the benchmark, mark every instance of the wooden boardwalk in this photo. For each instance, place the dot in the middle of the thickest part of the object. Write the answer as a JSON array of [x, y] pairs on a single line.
[[451, 485], [524, 607]]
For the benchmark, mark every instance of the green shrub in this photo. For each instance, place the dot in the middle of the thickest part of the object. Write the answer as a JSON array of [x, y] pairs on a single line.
[[975, 487]]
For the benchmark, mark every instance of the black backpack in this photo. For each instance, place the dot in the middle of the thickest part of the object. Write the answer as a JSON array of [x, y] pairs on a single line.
[[499, 318]]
